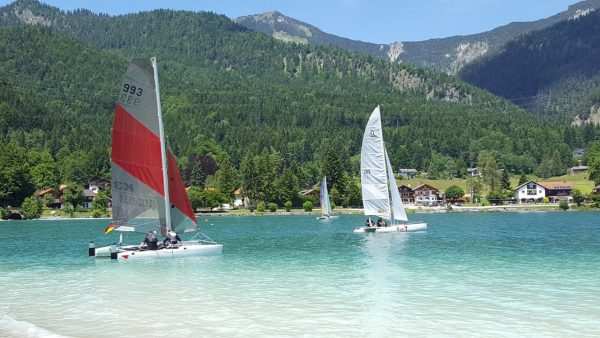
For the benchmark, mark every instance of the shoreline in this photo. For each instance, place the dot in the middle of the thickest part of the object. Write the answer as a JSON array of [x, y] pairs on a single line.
[[411, 209]]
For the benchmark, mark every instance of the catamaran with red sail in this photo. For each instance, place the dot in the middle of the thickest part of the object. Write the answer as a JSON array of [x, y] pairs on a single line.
[[148, 193]]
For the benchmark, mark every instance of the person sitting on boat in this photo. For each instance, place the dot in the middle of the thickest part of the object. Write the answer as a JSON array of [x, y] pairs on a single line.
[[150, 241], [172, 240], [368, 222], [381, 222]]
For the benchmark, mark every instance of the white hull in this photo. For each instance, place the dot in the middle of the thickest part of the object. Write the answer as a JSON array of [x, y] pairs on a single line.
[[324, 218], [187, 249], [409, 227]]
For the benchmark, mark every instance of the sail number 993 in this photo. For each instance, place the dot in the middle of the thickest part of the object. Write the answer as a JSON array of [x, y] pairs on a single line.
[[131, 94]]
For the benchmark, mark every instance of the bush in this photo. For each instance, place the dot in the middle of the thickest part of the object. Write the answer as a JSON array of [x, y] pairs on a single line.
[[96, 213], [578, 197], [596, 201], [563, 205], [260, 207], [453, 193], [272, 207], [307, 206], [546, 200], [31, 208], [69, 210], [4, 213], [288, 206], [495, 197]]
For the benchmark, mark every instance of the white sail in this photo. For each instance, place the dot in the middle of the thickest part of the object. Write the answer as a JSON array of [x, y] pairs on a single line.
[[373, 173], [325, 204], [398, 212]]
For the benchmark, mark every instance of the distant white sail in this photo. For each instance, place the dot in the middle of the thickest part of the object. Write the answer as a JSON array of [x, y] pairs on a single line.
[[373, 173], [325, 204]]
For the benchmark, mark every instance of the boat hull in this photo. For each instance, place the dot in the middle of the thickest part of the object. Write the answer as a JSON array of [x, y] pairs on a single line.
[[325, 218], [187, 249], [409, 227]]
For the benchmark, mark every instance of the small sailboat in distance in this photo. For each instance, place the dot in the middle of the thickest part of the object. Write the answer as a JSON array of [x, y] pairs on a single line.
[[148, 194], [326, 211], [380, 194]]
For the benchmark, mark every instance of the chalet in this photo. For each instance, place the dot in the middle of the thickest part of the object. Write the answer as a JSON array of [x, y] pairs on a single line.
[[407, 173], [407, 194], [88, 196], [530, 192], [426, 195], [579, 169], [558, 191], [55, 203], [536, 192], [473, 172]]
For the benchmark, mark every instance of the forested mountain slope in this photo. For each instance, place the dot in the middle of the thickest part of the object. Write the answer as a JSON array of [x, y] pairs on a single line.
[[233, 95], [555, 71]]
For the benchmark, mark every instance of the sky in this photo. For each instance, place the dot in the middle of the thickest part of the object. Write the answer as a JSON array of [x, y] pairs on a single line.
[[378, 21]]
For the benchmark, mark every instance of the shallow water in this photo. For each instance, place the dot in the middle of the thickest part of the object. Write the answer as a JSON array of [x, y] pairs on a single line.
[[471, 274]]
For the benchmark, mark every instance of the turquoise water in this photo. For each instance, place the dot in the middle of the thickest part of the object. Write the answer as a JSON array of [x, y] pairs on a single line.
[[470, 274]]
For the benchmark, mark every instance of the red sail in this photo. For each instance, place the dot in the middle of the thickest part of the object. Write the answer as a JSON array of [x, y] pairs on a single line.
[[136, 150], [177, 194]]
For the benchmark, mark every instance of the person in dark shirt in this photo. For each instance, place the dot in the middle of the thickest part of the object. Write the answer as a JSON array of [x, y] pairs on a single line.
[[150, 241]]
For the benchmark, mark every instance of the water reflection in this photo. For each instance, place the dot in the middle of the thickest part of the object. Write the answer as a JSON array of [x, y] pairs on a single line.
[[382, 275]]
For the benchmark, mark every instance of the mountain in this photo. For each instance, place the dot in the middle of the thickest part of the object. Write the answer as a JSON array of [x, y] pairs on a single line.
[[447, 54], [287, 29], [555, 71], [233, 94]]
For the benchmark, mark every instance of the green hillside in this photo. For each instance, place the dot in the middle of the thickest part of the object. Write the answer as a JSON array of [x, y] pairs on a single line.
[[240, 100]]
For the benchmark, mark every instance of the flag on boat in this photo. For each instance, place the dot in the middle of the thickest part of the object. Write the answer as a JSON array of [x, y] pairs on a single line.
[[109, 228]]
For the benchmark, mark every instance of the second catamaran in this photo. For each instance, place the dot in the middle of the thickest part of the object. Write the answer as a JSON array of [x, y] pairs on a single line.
[[380, 194]]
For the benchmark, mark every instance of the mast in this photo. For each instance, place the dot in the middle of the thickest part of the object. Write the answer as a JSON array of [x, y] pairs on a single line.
[[163, 148]]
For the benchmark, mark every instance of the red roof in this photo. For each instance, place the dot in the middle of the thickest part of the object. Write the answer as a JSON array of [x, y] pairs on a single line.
[[426, 187], [557, 185], [44, 192]]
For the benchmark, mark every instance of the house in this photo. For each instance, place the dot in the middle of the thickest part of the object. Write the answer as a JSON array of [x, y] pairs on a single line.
[[239, 199], [558, 191], [473, 172], [530, 192], [596, 190], [425, 194], [55, 203], [88, 197], [579, 169], [407, 194], [407, 173]]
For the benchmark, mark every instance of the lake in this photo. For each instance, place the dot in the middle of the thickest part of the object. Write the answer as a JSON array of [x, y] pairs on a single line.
[[470, 274]]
